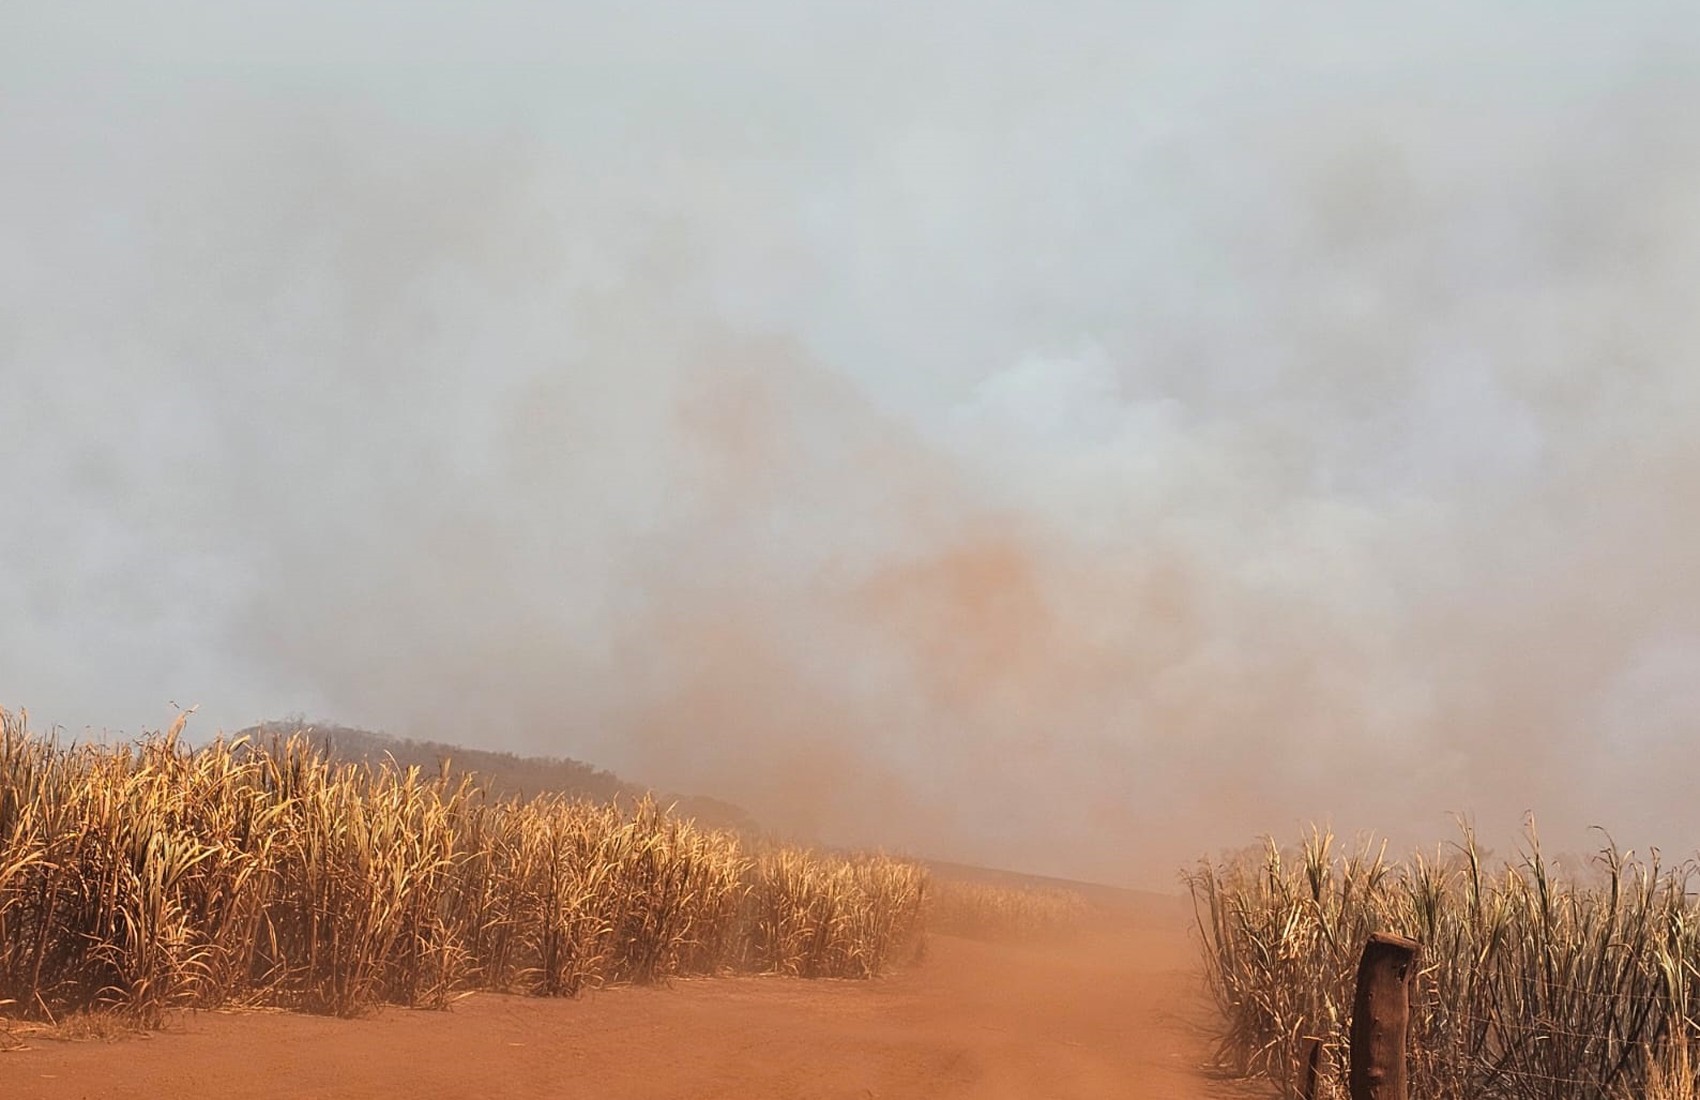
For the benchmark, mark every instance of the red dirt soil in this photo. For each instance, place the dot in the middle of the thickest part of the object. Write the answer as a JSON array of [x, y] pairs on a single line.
[[1115, 1013]]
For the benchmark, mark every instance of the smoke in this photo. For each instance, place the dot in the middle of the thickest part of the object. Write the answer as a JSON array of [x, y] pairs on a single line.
[[1074, 438]]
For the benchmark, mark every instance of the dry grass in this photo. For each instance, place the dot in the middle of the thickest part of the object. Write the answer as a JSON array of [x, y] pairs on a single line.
[[142, 877], [1532, 985], [982, 910]]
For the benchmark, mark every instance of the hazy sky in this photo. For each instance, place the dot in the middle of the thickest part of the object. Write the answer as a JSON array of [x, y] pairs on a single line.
[[1066, 435]]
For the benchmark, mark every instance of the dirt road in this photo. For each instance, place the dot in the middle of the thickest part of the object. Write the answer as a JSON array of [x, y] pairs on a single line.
[[1115, 1014]]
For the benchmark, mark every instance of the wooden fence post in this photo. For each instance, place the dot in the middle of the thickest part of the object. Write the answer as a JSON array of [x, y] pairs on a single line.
[[1312, 1065], [1381, 1017]]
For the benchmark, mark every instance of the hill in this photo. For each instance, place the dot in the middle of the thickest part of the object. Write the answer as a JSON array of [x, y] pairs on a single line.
[[506, 774]]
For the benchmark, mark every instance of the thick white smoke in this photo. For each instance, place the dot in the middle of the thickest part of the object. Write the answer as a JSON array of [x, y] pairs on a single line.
[[1073, 437]]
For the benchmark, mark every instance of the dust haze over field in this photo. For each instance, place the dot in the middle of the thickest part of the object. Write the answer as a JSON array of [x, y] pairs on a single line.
[[1065, 436]]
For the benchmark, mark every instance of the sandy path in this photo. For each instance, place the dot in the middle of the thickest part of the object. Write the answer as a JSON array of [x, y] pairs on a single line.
[[1115, 1014]]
